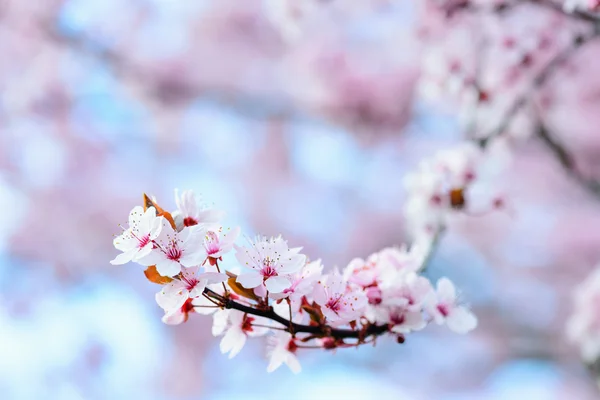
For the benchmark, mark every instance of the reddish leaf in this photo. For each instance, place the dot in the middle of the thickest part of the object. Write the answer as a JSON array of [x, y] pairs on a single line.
[[242, 291], [148, 202], [314, 311], [154, 277]]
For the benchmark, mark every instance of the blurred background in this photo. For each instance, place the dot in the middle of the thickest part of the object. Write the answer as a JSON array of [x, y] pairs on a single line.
[[301, 123]]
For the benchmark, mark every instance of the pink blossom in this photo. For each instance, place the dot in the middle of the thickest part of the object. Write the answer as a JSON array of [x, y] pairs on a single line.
[[409, 290], [443, 307], [339, 303], [281, 349], [404, 259], [218, 243], [363, 273], [405, 321], [174, 250], [455, 180], [190, 212], [236, 327], [137, 241], [272, 264], [176, 298], [303, 282]]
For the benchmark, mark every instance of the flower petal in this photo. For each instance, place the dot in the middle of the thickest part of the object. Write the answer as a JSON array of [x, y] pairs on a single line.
[[277, 284], [168, 268], [293, 363], [461, 320], [250, 280], [446, 291], [124, 258], [292, 264], [277, 359], [175, 317], [233, 341]]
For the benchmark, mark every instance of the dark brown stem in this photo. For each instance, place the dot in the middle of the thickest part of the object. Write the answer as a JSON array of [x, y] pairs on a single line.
[[317, 331]]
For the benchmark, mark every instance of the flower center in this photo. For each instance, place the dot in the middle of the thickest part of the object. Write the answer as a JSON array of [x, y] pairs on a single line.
[[268, 270], [174, 253], [211, 243], [292, 346], [189, 221], [190, 283], [144, 240], [187, 306], [457, 198], [334, 303], [247, 323], [398, 319], [443, 309]]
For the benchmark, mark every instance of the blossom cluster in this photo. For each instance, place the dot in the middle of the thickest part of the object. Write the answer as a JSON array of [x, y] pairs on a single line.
[[456, 180], [279, 292], [583, 327]]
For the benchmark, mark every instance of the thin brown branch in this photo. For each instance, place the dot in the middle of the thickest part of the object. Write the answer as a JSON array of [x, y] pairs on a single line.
[[317, 331], [435, 242], [577, 13], [507, 6], [538, 81], [567, 162]]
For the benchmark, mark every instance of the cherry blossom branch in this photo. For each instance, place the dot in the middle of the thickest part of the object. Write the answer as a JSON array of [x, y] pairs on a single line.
[[292, 327], [567, 161], [538, 81], [504, 7], [579, 14], [435, 242]]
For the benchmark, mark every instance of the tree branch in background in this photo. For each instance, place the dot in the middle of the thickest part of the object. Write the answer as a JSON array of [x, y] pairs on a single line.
[[567, 162], [576, 13], [435, 242], [540, 79]]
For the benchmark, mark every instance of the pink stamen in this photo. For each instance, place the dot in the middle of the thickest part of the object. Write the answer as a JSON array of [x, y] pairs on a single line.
[[143, 241], [174, 253], [211, 243], [268, 270], [334, 303], [190, 282]]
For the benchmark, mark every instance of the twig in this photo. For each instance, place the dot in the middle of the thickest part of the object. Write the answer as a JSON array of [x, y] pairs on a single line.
[[566, 161], [435, 241], [576, 13], [318, 331], [222, 283], [540, 79]]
